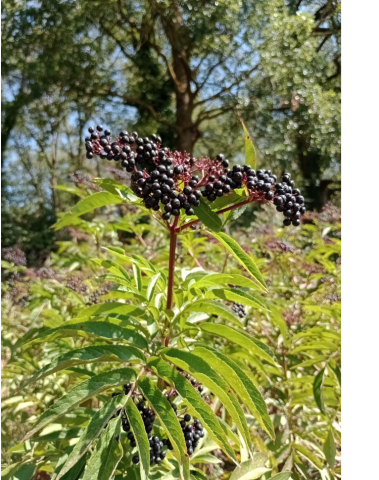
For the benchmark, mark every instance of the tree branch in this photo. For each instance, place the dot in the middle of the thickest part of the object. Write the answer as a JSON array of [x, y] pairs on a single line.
[[227, 89], [136, 102], [208, 115]]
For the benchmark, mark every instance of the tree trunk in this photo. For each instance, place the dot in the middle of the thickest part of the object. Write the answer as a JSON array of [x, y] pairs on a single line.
[[187, 131]]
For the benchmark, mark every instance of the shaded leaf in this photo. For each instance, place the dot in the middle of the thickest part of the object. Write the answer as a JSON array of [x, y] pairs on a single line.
[[78, 394], [107, 455], [169, 421], [317, 389], [91, 433], [309, 455], [205, 374], [207, 216], [138, 428], [100, 353], [199, 408], [329, 448], [281, 476], [87, 329], [239, 254]]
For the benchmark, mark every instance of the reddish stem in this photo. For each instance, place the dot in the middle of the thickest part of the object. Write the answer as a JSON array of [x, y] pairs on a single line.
[[171, 265]]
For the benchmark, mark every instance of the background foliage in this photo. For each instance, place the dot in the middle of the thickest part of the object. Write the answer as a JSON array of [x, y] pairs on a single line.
[[187, 69]]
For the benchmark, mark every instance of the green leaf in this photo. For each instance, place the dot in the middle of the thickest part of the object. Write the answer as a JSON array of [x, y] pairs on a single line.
[[88, 329], [337, 373], [72, 474], [170, 423], [234, 198], [240, 382], [205, 374], [78, 394], [151, 287], [235, 295], [91, 433], [138, 428], [97, 200], [227, 279], [100, 353], [214, 308], [117, 188], [241, 338], [329, 448], [137, 277], [116, 308], [317, 389], [71, 189], [206, 215], [309, 455], [251, 469], [198, 407], [23, 472], [107, 455], [206, 458], [250, 155], [239, 254], [281, 476]]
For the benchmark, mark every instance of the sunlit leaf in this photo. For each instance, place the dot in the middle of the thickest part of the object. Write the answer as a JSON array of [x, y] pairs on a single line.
[[78, 394], [239, 254]]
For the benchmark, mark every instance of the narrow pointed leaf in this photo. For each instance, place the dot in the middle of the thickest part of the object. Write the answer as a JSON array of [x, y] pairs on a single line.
[[151, 287], [107, 455], [137, 277], [227, 279], [250, 155], [317, 389], [237, 296], [205, 374], [88, 329], [208, 217], [241, 473], [329, 448], [281, 476], [241, 338], [78, 394], [91, 433], [199, 408], [309, 455], [239, 254], [110, 307], [212, 307], [138, 428], [100, 353], [169, 421], [240, 382]]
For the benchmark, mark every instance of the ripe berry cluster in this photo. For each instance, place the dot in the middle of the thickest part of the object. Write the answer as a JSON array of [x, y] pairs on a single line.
[[289, 200], [170, 182], [192, 433], [160, 187], [239, 309]]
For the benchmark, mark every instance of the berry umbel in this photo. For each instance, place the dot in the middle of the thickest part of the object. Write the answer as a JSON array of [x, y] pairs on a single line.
[[171, 182]]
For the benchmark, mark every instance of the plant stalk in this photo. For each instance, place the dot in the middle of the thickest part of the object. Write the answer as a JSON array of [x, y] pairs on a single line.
[[171, 267]]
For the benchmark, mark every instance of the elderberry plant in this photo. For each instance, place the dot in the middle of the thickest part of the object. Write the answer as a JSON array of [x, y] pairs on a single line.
[[179, 391]]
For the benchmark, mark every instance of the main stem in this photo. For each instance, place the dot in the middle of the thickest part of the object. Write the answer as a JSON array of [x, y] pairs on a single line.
[[171, 268]]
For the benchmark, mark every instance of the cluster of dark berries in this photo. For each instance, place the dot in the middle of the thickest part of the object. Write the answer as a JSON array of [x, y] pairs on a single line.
[[239, 309], [192, 433], [289, 200], [173, 183], [95, 297], [160, 187]]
